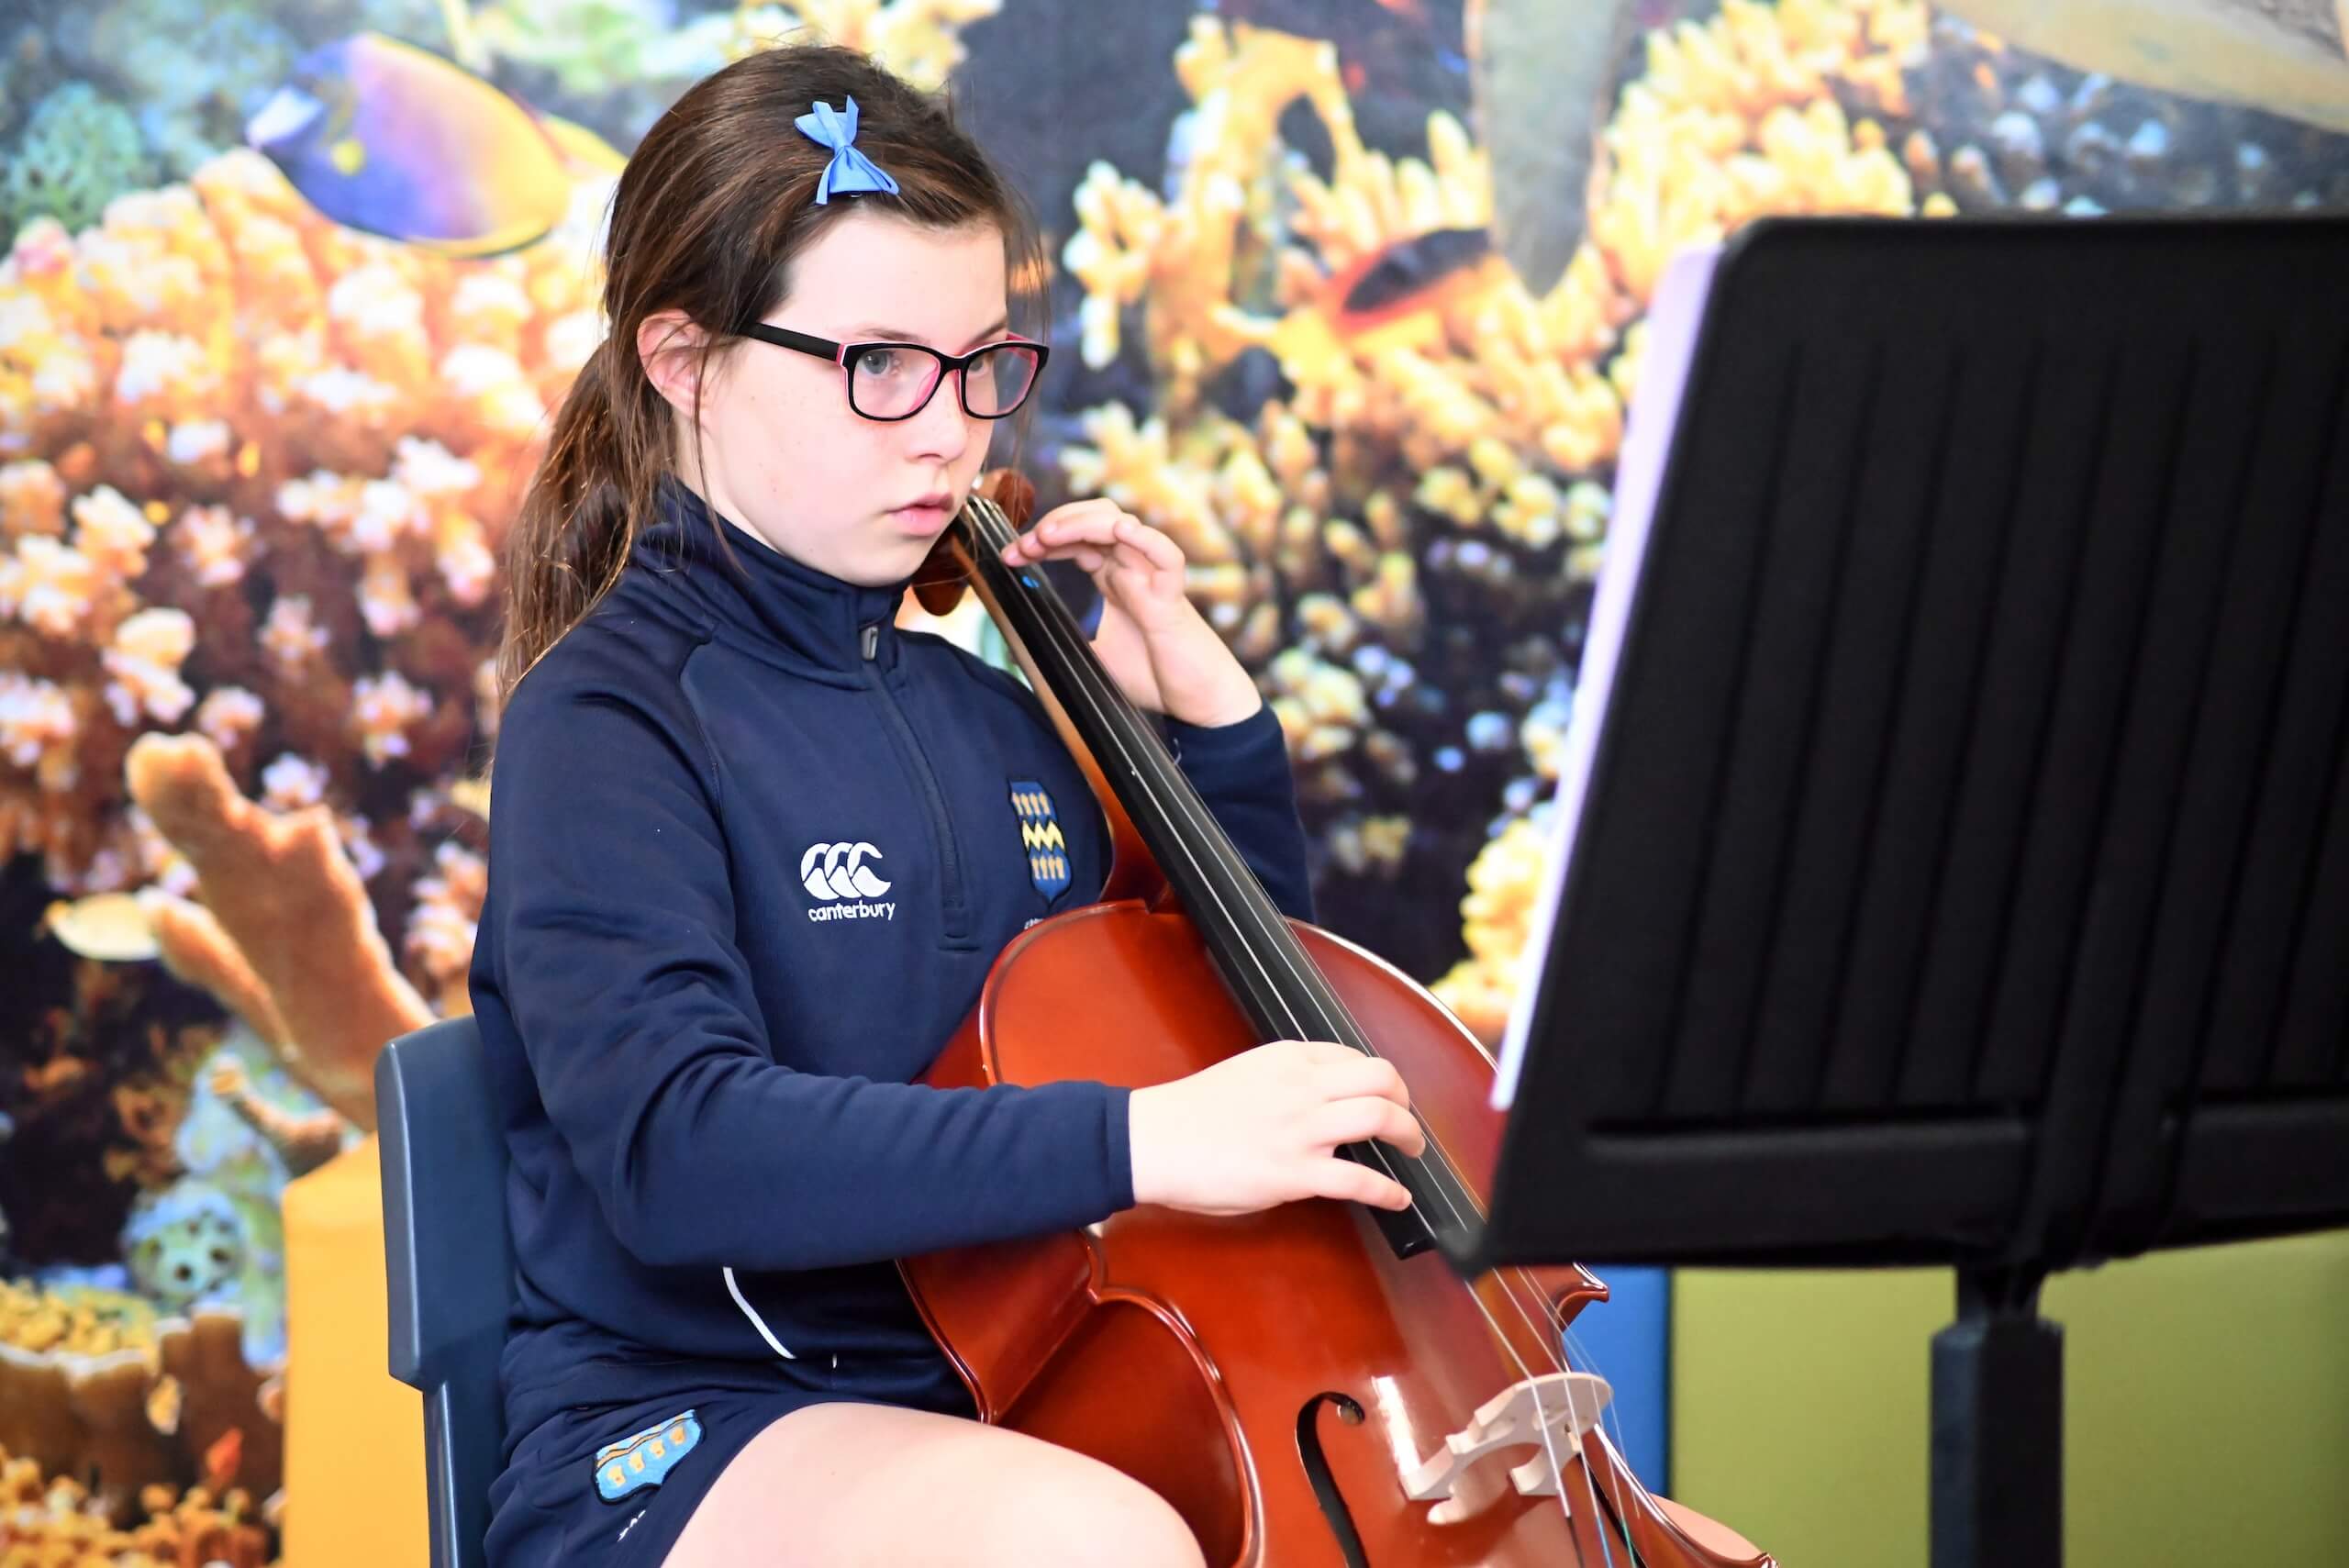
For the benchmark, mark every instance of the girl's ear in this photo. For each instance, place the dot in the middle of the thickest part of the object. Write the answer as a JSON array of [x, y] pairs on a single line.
[[668, 344]]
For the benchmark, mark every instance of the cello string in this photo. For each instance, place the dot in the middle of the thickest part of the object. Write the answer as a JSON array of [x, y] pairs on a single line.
[[1275, 934], [1085, 676], [1578, 1351], [994, 531], [1185, 804]]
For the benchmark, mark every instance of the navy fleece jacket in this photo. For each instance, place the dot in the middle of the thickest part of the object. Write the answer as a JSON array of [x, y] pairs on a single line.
[[754, 851]]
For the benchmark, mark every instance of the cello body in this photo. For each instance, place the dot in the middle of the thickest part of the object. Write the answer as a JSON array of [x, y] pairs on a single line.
[[1278, 1377]]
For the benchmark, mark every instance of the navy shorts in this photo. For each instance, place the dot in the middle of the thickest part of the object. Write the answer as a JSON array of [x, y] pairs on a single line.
[[612, 1485]]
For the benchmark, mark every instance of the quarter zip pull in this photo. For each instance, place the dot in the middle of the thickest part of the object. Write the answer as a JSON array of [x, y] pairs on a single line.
[[955, 909]]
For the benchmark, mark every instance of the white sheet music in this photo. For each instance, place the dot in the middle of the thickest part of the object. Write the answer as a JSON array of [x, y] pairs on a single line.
[[1673, 318]]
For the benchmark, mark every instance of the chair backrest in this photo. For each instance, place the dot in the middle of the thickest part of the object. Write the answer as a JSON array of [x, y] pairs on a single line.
[[450, 1266]]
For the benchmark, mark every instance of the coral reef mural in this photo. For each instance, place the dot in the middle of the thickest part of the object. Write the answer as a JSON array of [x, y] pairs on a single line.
[[1350, 298]]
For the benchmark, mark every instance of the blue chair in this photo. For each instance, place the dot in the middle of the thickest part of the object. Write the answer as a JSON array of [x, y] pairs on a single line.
[[450, 1265]]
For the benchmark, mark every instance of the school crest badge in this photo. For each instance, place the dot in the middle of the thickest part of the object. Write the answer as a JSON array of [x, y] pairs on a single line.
[[1040, 835]]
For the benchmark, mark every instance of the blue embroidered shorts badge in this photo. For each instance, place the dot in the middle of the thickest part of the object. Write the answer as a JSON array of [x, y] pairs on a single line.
[[636, 1463], [1040, 835]]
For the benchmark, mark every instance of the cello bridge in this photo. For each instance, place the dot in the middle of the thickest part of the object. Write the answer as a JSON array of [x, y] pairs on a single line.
[[1550, 1412]]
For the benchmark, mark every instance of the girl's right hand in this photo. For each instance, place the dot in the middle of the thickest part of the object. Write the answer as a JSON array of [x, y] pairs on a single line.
[[1263, 1127]]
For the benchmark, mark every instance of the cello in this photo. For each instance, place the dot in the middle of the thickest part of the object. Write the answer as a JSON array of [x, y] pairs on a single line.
[[1310, 1386]]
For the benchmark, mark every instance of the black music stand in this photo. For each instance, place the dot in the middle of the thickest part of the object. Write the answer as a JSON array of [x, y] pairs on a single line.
[[1953, 845]]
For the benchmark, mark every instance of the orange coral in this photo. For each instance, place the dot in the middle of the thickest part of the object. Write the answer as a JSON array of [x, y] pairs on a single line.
[[46, 1521], [286, 919], [86, 1388], [254, 471]]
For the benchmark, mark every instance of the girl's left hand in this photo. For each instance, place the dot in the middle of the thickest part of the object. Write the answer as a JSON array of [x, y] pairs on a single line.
[[1152, 639]]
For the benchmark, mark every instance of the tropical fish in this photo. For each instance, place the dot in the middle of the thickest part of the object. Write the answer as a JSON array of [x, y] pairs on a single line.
[[110, 926], [585, 153], [1545, 76], [2286, 57], [1408, 275], [1395, 296], [392, 141]]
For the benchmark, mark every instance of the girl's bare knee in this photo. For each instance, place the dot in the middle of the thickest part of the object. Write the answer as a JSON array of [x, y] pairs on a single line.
[[874, 1485], [1114, 1509], [1160, 1539]]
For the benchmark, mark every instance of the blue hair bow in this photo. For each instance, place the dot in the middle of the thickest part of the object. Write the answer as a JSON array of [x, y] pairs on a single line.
[[850, 171]]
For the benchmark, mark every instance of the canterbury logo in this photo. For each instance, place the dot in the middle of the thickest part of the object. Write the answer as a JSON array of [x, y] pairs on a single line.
[[836, 878], [837, 871]]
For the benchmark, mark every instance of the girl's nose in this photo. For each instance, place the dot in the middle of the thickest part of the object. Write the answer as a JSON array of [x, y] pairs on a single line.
[[941, 430]]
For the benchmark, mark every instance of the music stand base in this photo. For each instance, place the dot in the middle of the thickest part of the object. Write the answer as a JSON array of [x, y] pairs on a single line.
[[1998, 1497]]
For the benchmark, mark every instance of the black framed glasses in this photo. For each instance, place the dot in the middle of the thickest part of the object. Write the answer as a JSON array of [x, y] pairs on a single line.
[[894, 380]]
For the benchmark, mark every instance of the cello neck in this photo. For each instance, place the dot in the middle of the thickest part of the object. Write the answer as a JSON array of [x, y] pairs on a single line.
[[1263, 965]]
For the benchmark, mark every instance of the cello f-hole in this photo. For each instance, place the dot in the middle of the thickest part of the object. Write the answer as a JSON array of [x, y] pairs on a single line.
[[1317, 1470]]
